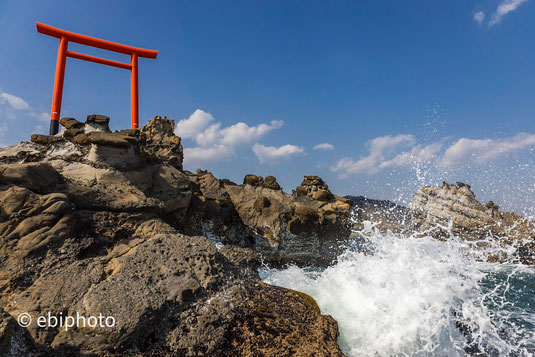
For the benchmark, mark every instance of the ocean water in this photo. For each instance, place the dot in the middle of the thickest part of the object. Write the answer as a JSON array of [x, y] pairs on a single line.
[[407, 296]]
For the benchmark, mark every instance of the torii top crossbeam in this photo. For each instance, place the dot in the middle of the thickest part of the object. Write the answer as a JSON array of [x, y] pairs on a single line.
[[63, 53]]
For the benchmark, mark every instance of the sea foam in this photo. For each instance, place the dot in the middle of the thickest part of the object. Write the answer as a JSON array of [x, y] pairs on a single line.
[[408, 296]]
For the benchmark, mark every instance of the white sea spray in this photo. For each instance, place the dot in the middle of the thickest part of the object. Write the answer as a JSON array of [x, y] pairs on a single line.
[[409, 296]]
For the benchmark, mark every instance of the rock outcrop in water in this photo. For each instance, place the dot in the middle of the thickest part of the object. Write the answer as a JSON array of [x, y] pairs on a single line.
[[454, 208], [94, 222]]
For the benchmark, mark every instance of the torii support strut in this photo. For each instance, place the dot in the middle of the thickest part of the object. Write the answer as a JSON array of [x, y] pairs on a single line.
[[63, 53]]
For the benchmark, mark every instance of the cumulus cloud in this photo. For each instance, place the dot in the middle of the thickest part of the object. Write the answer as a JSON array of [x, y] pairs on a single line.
[[241, 133], [479, 17], [324, 146], [272, 154], [462, 153], [234, 135], [13, 107], [503, 9], [479, 151], [14, 102], [215, 142], [199, 155], [379, 148], [191, 127]]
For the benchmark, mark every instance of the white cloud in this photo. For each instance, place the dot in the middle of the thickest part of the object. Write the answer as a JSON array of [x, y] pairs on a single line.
[[272, 154], [478, 151], [11, 105], [418, 154], [379, 148], [214, 142], [479, 17], [503, 9], [191, 127], [461, 153], [241, 133], [324, 146], [44, 117], [210, 136], [200, 155], [234, 135], [14, 102]]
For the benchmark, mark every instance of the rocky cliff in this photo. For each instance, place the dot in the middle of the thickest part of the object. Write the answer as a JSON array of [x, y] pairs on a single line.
[[100, 223]]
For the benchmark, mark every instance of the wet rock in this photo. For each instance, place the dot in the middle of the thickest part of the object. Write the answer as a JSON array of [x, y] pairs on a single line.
[[259, 320], [492, 206]]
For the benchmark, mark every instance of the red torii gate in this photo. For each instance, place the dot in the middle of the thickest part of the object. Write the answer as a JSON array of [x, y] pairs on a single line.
[[63, 53]]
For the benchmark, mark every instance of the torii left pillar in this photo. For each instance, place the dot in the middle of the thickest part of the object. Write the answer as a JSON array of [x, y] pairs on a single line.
[[63, 53]]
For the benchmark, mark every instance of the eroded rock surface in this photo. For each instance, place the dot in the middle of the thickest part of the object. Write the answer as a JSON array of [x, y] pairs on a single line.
[[296, 228], [100, 223]]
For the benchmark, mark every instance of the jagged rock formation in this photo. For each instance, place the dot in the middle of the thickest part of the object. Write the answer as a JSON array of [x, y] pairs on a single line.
[[454, 208], [283, 228], [298, 228], [141, 171], [212, 213], [95, 222]]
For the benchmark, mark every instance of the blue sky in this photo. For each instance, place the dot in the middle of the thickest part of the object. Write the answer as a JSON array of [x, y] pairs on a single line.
[[405, 93]]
